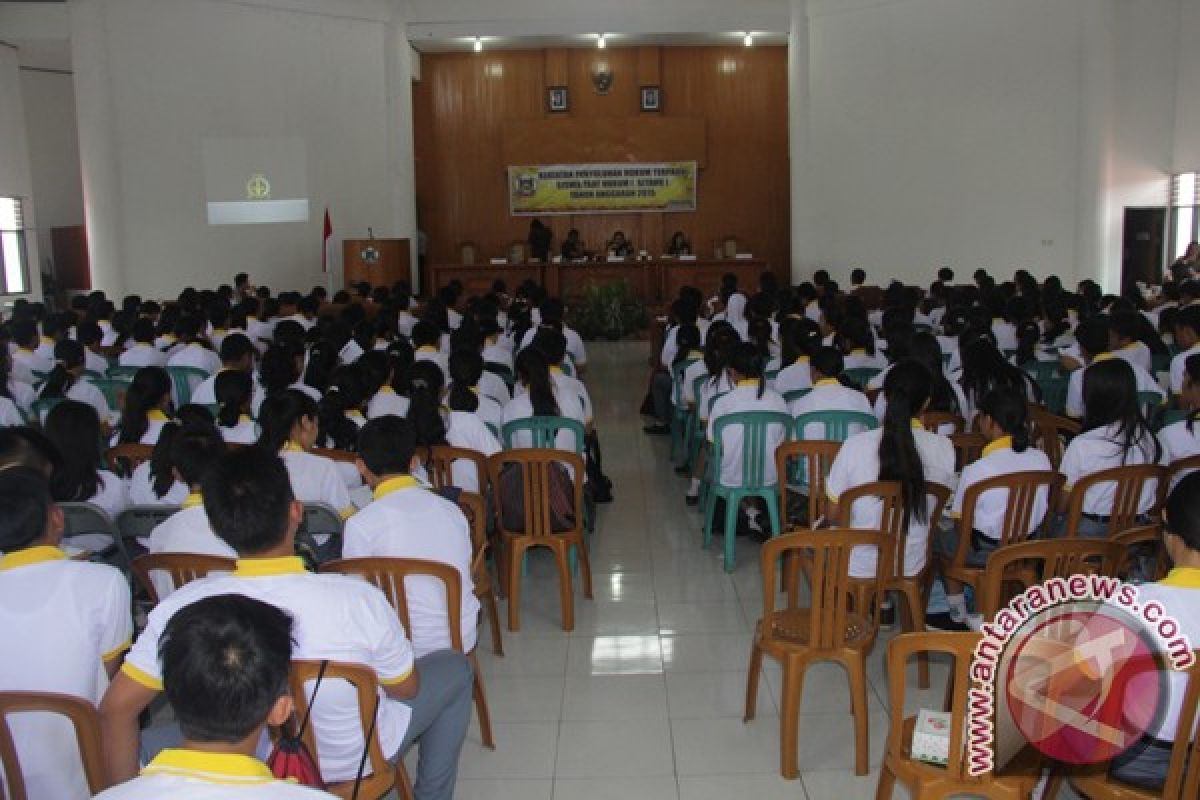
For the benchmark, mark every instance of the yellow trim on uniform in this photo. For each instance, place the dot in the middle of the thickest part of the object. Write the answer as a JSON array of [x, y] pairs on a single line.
[[386, 390], [157, 415], [245, 418], [395, 681], [292, 447], [48, 340], [1000, 444], [858, 351], [1102, 357], [143, 678], [556, 369], [31, 555], [192, 500], [267, 567], [833, 498], [223, 768], [347, 512], [800, 360], [954, 514], [697, 354], [917, 425], [395, 484], [427, 348], [748, 382], [1183, 578], [1130, 346], [827, 382], [116, 651], [354, 413]]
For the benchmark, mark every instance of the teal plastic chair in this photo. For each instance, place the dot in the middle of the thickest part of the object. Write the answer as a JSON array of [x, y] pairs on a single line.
[[694, 434], [1171, 416], [1042, 370], [795, 394], [1160, 362], [837, 423], [755, 426], [544, 431], [92, 375], [122, 373], [862, 375], [1054, 393], [1149, 403], [184, 379], [113, 390], [679, 420], [770, 375]]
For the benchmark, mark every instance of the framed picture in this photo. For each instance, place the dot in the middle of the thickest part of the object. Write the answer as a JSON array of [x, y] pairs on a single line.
[[556, 98], [651, 98]]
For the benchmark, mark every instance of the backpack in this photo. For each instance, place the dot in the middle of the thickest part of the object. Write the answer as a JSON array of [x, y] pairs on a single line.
[[512, 498], [290, 759]]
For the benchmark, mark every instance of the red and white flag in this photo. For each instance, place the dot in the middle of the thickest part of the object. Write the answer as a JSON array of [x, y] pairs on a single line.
[[327, 253]]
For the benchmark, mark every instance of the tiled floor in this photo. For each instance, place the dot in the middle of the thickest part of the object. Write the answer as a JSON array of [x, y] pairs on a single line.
[[643, 700]]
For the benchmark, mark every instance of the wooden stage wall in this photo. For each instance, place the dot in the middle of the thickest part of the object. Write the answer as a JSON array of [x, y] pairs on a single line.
[[725, 107]]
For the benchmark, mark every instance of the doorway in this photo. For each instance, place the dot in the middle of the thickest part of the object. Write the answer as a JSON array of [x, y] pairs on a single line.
[[1142, 243]]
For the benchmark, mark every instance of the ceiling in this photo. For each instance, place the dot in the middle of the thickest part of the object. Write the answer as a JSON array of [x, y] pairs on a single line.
[[466, 43]]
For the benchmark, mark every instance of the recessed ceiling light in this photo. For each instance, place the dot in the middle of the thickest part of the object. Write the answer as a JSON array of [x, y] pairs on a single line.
[[600, 42], [748, 40], [478, 45]]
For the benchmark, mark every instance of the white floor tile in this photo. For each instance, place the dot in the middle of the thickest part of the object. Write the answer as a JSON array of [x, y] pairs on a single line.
[[757, 787], [635, 748], [524, 698], [700, 695], [616, 788], [523, 750], [502, 789], [725, 746], [682, 618], [614, 697]]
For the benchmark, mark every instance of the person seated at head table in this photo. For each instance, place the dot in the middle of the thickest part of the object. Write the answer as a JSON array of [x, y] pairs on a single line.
[[619, 246], [539, 240], [572, 246], [679, 245]]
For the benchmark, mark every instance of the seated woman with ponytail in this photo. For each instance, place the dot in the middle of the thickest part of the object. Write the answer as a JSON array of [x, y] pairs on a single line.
[[192, 348], [903, 451], [1182, 439], [392, 395], [234, 393], [146, 407], [281, 369], [466, 369], [74, 428], [466, 425], [154, 482], [858, 345], [800, 339], [143, 353], [831, 391], [542, 398], [66, 380], [340, 413]]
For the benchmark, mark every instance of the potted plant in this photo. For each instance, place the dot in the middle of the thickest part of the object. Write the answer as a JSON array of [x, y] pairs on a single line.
[[608, 310]]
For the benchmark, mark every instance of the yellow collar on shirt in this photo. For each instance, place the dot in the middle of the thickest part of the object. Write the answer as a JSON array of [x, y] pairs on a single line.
[[858, 351], [748, 382], [1183, 578], [1000, 444], [386, 390], [827, 382], [245, 418], [157, 415], [266, 567], [696, 354], [24, 350], [354, 413], [427, 348], [917, 425], [1102, 357], [226, 768], [394, 485], [292, 447], [31, 555], [192, 500], [557, 369], [48, 340], [1130, 346], [801, 360]]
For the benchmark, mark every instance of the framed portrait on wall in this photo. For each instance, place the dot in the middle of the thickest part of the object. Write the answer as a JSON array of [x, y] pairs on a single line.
[[556, 98], [651, 98]]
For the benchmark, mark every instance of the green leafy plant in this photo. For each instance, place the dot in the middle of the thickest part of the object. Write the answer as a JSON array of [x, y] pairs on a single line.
[[609, 310]]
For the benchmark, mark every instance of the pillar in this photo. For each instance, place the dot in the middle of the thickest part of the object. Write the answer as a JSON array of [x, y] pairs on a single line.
[[802, 223]]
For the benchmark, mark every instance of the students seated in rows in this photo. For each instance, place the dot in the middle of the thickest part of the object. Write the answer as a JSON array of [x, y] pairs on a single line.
[[1115, 434], [1094, 340], [466, 426], [1187, 343], [466, 372], [1124, 339], [146, 408], [552, 345], [144, 352], [831, 391], [26, 360], [858, 345], [225, 663], [406, 520], [250, 505], [234, 396], [900, 450], [984, 369], [237, 353], [542, 397], [66, 624], [288, 427], [1003, 420], [467, 339], [1182, 439], [799, 339], [65, 380], [552, 317]]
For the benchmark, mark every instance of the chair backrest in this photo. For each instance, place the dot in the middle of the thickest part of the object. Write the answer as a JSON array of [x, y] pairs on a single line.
[[1149, 402], [439, 465], [1183, 770], [1043, 559], [122, 373], [183, 568], [88, 518], [1137, 546], [544, 431], [677, 371], [125, 458], [389, 575], [137, 522], [382, 774], [861, 375], [891, 495], [813, 459], [185, 380], [341, 456], [84, 719], [1129, 483], [795, 394], [1042, 370], [42, 407], [968, 447], [1170, 416], [756, 450], [837, 423], [536, 465], [113, 390], [1023, 489], [1049, 430], [1181, 467], [936, 420], [842, 609], [474, 508]]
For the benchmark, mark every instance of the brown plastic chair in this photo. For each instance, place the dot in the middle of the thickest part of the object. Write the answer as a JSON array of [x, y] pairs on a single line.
[[930, 780], [1146, 540], [389, 574], [1180, 467], [1039, 560], [380, 775], [1050, 431], [817, 457], [840, 625], [935, 420], [1183, 770], [84, 718], [968, 447], [182, 567], [475, 510], [125, 458], [439, 465], [343, 456], [535, 466], [1023, 489], [913, 588], [1130, 481]]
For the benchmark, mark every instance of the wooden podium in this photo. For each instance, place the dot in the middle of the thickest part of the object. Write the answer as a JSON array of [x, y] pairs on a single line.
[[379, 262]]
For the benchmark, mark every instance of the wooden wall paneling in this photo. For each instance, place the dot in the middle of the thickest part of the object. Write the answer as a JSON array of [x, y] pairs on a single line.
[[621, 100], [557, 75], [646, 137]]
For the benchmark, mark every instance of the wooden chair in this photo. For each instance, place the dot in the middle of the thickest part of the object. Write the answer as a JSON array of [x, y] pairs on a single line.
[[913, 588], [936, 420], [475, 510], [1050, 431], [814, 458], [930, 780], [1130, 481], [968, 447], [840, 625], [535, 467], [1181, 467], [1039, 560], [83, 717], [380, 775], [1144, 541], [182, 568], [389, 575], [439, 465], [1183, 770], [344, 456]]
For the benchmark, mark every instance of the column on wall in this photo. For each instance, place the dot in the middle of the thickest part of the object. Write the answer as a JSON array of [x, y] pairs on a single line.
[[802, 213], [1096, 215], [401, 156]]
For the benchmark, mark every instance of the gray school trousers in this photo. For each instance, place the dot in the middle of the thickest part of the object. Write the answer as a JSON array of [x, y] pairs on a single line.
[[441, 712]]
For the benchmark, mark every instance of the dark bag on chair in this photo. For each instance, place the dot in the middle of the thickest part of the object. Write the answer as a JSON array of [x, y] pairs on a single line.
[[601, 486], [512, 498]]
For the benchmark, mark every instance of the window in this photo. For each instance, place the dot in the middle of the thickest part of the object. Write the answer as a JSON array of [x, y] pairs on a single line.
[[1185, 203], [14, 274]]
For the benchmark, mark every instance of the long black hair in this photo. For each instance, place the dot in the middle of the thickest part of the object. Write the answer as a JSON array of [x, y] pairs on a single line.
[[151, 389], [748, 362], [687, 339], [466, 368], [855, 334], [1191, 368], [829, 362], [279, 414], [534, 373], [278, 370], [1110, 398], [799, 338], [425, 402], [984, 369], [906, 387], [924, 348], [233, 391], [74, 428], [1009, 410], [68, 356], [346, 394]]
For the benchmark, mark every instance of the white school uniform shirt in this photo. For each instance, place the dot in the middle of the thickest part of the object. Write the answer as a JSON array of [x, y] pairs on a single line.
[[493, 386], [744, 397], [453, 318], [468, 430], [1075, 408], [141, 489], [1101, 449], [406, 520], [317, 479], [258, 330], [498, 354], [829, 395], [84, 392], [168, 343], [350, 352], [490, 412], [198, 775], [301, 386], [108, 336], [386, 402], [23, 393], [1179, 367], [1180, 443], [335, 617], [1137, 354], [94, 361], [1000, 459], [205, 394], [569, 405], [1005, 333], [245, 432], [795, 376], [688, 391], [142, 355], [61, 618], [1179, 594], [197, 356], [26, 362], [575, 348], [710, 390], [429, 353], [857, 463], [155, 420], [860, 358], [10, 415], [405, 322], [185, 531]]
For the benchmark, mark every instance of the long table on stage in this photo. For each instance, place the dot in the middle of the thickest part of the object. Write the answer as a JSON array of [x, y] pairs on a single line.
[[654, 282]]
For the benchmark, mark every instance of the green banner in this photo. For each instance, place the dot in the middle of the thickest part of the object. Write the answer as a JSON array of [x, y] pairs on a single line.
[[602, 188]]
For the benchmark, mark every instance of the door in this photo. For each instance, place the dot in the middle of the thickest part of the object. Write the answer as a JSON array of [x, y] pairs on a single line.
[[1142, 245]]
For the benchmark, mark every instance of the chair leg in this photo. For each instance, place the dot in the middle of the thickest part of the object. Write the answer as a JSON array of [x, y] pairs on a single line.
[[566, 595], [585, 569], [481, 704], [493, 615], [772, 501], [887, 783], [731, 511], [515, 557], [915, 603], [856, 668], [752, 678], [789, 719], [710, 509]]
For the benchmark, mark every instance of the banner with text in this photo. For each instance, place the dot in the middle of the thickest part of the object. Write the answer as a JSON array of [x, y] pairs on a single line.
[[602, 188]]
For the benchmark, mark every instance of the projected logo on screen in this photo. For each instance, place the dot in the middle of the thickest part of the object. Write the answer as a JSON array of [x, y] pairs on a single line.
[[238, 189], [258, 187]]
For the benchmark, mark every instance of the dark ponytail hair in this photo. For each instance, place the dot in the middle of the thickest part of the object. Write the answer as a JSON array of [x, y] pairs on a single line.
[[1192, 367], [925, 349], [759, 333], [855, 333], [162, 474], [401, 359], [687, 339], [68, 355], [346, 393], [277, 416], [748, 361], [1028, 335], [233, 391], [1110, 398], [534, 372], [74, 428], [829, 362], [425, 401], [466, 368], [906, 388], [1008, 409], [150, 387], [278, 370], [798, 338]]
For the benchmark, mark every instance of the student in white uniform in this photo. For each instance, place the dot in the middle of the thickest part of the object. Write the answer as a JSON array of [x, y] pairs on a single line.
[[489, 383], [234, 397], [1124, 342], [81, 477], [248, 497], [799, 339], [984, 369], [1182, 439], [542, 397], [1093, 337], [225, 663], [858, 345], [66, 624], [553, 347], [718, 349], [153, 482], [147, 403], [407, 520], [26, 360], [900, 450], [466, 367], [494, 351], [1187, 339], [193, 350], [829, 393], [90, 336], [143, 352], [66, 380], [392, 396], [944, 396], [237, 353], [426, 339], [552, 317], [282, 368], [1003, 420], [750, 393], [1114, 434], [288, 426]]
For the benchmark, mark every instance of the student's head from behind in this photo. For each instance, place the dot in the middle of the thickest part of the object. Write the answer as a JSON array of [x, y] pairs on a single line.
[[387, 446], [858, 277], [827, 362], [237, 352], [1181, 517], [193, 450], [249, 501], [225, 662], [28, 516], [26, 447], [287, 417], [1003, 412], [1092, 336], [1187, 327], [1110, 395]]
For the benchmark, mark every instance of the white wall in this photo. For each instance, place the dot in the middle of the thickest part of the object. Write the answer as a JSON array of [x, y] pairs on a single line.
[[15, 177]]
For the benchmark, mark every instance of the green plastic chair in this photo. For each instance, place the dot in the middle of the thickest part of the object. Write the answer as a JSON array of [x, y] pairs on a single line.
[[1054, 393], [568, 367], [183, 379], [122, 373], [755, 453], [113, 390], [1149, 403], [795, 394], [837, 423], [1171, 416], [1042, 370], [544, 431], [679, 420], [1160, 362], [862, 375], [694, 434], [92, 375], [770, 375], [41, 408]]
